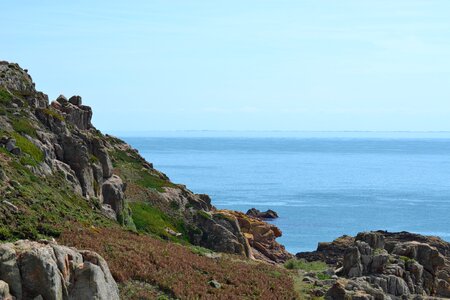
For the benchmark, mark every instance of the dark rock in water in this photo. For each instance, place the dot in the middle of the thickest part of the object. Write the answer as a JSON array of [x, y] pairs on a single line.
[[268, 214]]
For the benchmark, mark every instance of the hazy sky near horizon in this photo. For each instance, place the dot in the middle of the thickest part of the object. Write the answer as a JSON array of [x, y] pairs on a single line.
[[240, 65]]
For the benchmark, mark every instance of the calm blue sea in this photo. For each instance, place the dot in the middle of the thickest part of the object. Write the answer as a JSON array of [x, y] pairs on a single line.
[[323, 185]]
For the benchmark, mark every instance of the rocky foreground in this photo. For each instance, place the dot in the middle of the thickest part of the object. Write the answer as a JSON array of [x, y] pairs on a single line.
[[383, 265], [46, 270]]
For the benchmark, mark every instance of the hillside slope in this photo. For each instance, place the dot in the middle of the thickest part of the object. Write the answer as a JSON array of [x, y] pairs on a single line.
[[62, 178]]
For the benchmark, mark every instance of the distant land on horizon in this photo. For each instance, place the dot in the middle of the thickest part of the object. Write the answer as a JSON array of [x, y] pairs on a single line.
[[282, 134]]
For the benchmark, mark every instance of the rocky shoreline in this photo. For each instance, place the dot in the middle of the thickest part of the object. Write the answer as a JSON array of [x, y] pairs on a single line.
[[384, 265]]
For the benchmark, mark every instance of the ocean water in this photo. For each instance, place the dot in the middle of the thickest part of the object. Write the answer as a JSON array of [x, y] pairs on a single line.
[[322, 185]]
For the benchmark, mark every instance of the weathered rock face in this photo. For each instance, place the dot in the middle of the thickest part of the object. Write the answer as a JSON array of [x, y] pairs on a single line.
[[260, 236], [13, 78], [112, 190], [382, 265], [29, 270], [221, 233], [329, 252], [74, 112]]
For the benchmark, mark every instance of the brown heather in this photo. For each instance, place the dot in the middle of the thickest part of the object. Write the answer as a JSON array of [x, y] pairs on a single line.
[[176, 270]]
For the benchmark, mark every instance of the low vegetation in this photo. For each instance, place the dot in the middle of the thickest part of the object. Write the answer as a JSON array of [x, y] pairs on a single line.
[[175, 270], [5, 97], [45, 205], [23, 126], [300, 264], [131, 170], [151, 220]]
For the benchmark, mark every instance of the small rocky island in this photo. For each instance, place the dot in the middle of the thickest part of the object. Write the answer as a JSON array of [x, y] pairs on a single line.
[[85, 216]]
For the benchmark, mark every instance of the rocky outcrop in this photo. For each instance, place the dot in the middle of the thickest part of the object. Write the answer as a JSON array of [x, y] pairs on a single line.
[[112, 190], [268, 214], [221, 233], [46, 270], [330, 252], [71, 146], [260, 236], [382, 265], [74, 112]]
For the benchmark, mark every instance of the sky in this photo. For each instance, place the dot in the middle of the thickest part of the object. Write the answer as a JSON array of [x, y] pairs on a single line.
[[310, 65]]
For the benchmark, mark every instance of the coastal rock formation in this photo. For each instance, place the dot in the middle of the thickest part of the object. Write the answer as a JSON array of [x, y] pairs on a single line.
[[46, 270], [260, 236], [383, 265], [58, 139]]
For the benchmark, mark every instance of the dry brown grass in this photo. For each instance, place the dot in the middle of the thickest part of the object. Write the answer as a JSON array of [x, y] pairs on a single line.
[[177, 271]]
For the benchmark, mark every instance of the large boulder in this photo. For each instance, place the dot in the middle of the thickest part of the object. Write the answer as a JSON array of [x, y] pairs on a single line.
[[33, 270], [113, 193]]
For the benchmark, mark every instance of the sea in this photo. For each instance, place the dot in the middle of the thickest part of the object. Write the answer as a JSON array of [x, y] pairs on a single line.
[[322, 184]]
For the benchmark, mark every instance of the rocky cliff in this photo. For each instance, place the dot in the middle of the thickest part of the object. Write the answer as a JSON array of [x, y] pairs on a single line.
[[99, 167], [58, 171]]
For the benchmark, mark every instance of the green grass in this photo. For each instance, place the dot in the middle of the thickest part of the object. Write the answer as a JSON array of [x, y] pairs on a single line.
[[151, 220], [407, 259], [53, 113], [150, 181], [200, 250], [300, 264], [46, 206], [323, 276], [204, 214], [36, 156], [5, 97], [22, 125], [132, 171]]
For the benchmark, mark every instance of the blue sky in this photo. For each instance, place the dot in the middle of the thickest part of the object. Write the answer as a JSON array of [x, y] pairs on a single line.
[[240, 65]]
